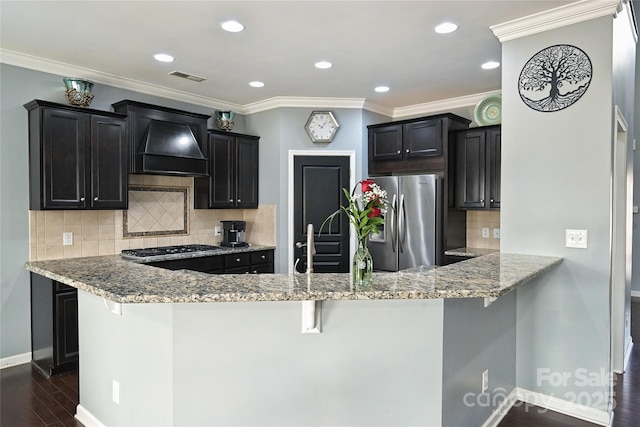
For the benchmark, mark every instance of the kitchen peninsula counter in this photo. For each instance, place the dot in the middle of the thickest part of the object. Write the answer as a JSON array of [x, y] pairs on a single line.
[[264, 358], [124, 281]]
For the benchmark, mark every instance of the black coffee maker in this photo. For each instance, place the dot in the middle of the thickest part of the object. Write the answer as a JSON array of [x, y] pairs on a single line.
[[233, 233]]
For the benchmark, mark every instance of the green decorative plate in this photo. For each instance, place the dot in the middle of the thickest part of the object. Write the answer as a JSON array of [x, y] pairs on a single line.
[[488, 111]]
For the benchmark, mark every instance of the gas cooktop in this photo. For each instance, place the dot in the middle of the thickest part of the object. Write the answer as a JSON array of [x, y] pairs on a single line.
[[151, 253]]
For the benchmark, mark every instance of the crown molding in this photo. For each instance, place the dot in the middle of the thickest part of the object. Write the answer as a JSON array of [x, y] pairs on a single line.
[[63, 69], [562, 16], [303, 102], [442, 105]]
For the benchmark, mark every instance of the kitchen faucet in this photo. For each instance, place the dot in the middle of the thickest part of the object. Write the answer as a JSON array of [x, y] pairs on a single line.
[[311, 250]]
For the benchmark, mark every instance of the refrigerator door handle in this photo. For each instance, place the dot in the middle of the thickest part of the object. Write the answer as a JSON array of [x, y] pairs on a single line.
[[392, 223], [402, 231]]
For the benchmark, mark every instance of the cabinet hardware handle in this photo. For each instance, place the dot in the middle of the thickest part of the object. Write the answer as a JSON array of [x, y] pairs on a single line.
[[263, 257], [255, 271], [95, 199], [237, 259], [231, 200], [491, 200], [481, 200], [398, 151], [407, 150], [82, 199], [239, 200]]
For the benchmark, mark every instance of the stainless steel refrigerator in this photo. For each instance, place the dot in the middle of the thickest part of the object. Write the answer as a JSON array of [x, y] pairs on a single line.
[[411, 235]]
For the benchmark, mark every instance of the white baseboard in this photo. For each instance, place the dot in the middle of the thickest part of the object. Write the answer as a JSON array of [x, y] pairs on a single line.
[[87, 418], [502, 410], [18, 359], [571, 409], [635, 294]]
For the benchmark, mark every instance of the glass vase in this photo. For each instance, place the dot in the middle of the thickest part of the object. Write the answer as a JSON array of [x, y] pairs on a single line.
[[362, 265]]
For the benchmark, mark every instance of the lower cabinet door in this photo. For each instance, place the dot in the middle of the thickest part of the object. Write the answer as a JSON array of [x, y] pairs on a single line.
[[66, 327]]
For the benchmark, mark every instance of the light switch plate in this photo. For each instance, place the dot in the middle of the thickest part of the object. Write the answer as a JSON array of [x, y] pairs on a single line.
[[496, 233], [67, 238], [485, 232], [576, 239]]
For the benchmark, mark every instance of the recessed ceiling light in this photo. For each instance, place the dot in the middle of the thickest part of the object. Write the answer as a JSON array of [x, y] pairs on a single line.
[[256, 84], [323, 65], [163, 57], [232, 26], [382, 89], [490, 65], [446, 27]]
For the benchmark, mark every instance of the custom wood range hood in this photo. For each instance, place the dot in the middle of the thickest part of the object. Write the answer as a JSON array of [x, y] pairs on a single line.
[[165, 141]]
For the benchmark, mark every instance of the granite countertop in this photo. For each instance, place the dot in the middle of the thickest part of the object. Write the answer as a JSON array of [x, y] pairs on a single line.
[[470, 252], [124, 281]]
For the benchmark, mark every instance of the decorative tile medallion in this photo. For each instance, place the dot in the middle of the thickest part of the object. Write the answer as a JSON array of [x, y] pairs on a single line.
[[156, 211]]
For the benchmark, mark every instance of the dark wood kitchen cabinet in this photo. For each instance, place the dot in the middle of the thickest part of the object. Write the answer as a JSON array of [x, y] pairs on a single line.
[[478, 168], [254, 262], [233, 173], [77, 157], [54, 325], [416, 145]]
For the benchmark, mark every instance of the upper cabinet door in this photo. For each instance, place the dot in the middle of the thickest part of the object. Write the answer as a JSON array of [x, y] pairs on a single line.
[[423, 139], [109, 159], [494, 143], [63, 157], [247, 173], [385, 143], [470, 169], [478, 168], [221, 157]]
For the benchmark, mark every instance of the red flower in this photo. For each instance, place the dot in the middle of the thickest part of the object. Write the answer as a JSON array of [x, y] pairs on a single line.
[[366, 185], [375, 212]]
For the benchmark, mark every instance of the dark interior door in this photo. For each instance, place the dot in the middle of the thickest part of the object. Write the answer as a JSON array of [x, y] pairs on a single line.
[[318, 184]]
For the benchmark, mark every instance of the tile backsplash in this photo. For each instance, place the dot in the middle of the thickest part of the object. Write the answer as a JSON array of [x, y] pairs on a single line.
[[476, 221], [101, 232]]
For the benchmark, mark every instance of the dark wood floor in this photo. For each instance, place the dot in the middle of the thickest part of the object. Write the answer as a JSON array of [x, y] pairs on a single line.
[[27, 398]]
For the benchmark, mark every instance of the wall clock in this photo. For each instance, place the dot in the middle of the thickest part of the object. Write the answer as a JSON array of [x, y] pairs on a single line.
[[321, 126], [555, 78]]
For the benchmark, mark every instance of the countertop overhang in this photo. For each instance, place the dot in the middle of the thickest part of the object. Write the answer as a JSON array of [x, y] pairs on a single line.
[[123, 281]]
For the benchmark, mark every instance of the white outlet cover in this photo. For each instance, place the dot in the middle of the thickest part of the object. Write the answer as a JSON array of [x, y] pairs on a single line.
[[67, 238], [496, 233], [576, 238], [485, 232]]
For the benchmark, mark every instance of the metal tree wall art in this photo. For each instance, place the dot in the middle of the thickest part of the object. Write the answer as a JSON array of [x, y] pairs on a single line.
[[555, 78]]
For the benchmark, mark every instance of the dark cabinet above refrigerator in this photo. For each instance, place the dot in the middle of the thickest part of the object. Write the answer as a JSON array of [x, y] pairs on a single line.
[[412, 146]]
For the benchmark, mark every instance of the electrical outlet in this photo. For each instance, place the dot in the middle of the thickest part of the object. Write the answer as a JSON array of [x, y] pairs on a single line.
[[485, 380], [67, 238], [485, 232], [576, 239], [116, 392], [496, 233], [217, 231]]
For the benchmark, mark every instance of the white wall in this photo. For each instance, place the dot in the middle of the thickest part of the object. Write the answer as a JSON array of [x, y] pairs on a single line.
[[556, 175], [635, 275]]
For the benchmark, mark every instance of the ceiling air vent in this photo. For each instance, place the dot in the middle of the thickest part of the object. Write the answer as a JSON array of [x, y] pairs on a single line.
[[187, 76]]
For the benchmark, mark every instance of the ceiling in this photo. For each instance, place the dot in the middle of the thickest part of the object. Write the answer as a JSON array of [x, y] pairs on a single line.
[[370, 43]]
